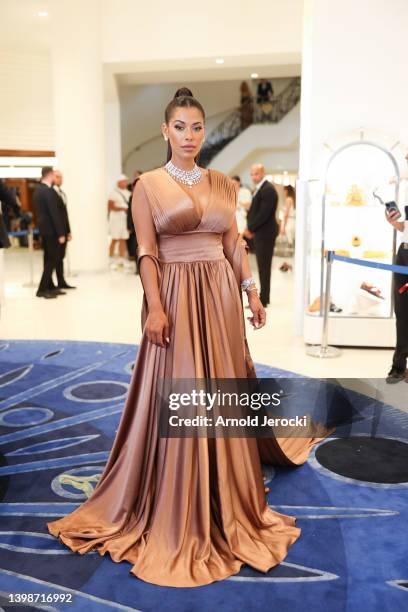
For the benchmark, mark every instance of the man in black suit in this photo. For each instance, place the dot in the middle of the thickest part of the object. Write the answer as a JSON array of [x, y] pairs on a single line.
[[263, 227], [51, 224], [58, 180], [264, 91]]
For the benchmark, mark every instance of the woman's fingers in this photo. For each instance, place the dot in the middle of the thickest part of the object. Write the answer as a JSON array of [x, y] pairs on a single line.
[[159, 337], [256, 318], [166, 334], [262, 317]]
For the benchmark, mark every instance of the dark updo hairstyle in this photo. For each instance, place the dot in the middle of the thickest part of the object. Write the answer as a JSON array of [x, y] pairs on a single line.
[[183, 98], [291, 193]]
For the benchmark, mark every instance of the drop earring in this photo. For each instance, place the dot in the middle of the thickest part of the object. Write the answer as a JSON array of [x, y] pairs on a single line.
[[165, 137]]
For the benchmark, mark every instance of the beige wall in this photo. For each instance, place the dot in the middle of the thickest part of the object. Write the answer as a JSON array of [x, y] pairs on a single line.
[[26, 106], [159, 30]]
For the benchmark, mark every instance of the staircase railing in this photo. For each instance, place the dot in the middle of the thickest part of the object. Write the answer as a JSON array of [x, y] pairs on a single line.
[[280, 105], [233, 124]]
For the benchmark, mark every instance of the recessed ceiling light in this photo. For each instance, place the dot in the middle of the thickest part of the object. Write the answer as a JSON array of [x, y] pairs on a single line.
[[254, 75], [43, 14], [219, 60]]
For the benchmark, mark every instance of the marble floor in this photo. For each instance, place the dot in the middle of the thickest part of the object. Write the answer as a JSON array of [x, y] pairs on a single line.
[[106, 307]]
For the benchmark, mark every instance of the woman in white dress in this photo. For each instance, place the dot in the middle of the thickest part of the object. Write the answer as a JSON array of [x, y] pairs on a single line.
[[288, 224], [118, 206], [244, 199]]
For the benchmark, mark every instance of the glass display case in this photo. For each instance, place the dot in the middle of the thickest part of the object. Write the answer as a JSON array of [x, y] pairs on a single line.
[[346, 214]]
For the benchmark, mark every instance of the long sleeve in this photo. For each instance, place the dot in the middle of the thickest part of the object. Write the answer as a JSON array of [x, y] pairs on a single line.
[[262, 211], [52, 205], [65, 209], [147, 249], [144, 226], [67, 220], [235, 250]]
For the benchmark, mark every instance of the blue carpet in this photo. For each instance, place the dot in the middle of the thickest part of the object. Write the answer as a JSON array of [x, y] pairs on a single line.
[[60, 404]]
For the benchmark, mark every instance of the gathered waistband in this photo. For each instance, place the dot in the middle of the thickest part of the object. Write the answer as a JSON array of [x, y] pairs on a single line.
[[190, 246]]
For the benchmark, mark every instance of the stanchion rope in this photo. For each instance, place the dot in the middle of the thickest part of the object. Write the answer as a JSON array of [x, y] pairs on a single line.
[[371, 264]]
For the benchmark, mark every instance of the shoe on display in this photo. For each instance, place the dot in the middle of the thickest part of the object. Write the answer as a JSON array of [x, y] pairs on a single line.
[[372, 290], [395, 376], [48, 295], [334, 308]]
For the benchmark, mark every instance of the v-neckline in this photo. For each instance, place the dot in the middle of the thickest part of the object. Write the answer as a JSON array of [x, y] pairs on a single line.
[[200, 214]]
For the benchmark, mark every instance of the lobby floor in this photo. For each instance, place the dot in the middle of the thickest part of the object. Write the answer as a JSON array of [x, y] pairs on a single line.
[[106, 306]]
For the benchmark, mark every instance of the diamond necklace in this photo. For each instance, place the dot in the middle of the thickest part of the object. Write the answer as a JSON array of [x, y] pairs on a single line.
[[187, 177]]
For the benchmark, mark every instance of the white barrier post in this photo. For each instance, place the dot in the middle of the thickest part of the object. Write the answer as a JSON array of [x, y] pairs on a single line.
[[323, 350], [30, 238]]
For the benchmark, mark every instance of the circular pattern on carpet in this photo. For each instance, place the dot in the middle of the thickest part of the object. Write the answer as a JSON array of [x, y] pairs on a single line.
[[96, 391], [376, 460], [23, 417]]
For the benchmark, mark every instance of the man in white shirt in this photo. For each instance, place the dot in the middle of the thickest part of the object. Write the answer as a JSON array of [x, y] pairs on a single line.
[[263, 227], [399, 363], [118, 205]]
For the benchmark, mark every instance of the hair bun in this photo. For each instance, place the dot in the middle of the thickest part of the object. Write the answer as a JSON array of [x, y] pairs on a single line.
[[182, 92]]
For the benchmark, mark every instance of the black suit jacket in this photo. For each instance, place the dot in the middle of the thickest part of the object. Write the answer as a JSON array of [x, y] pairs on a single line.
[[47, 205], [262, 214], [64, 213]]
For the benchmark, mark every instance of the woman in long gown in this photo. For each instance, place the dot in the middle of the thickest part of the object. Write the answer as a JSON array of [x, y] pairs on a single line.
[[186, 511]]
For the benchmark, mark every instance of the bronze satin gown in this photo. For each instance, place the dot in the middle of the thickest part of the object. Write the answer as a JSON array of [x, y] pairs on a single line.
[[187, 511]]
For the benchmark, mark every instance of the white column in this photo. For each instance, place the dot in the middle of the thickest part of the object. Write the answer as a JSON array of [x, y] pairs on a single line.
[[113, 144], [353, 76], [79, 117]]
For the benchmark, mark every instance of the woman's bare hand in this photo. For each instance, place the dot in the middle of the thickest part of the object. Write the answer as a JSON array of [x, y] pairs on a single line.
[[258, 318], [157, 328]]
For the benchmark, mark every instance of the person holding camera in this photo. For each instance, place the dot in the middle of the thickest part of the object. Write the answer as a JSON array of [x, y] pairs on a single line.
[[399, 362]]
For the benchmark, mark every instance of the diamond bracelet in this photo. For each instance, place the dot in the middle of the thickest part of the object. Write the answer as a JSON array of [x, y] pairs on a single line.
[[248, 284]]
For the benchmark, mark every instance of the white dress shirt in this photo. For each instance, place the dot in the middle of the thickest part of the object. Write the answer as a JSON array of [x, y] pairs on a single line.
[[61, 194], [259, 185], [405, 232]]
